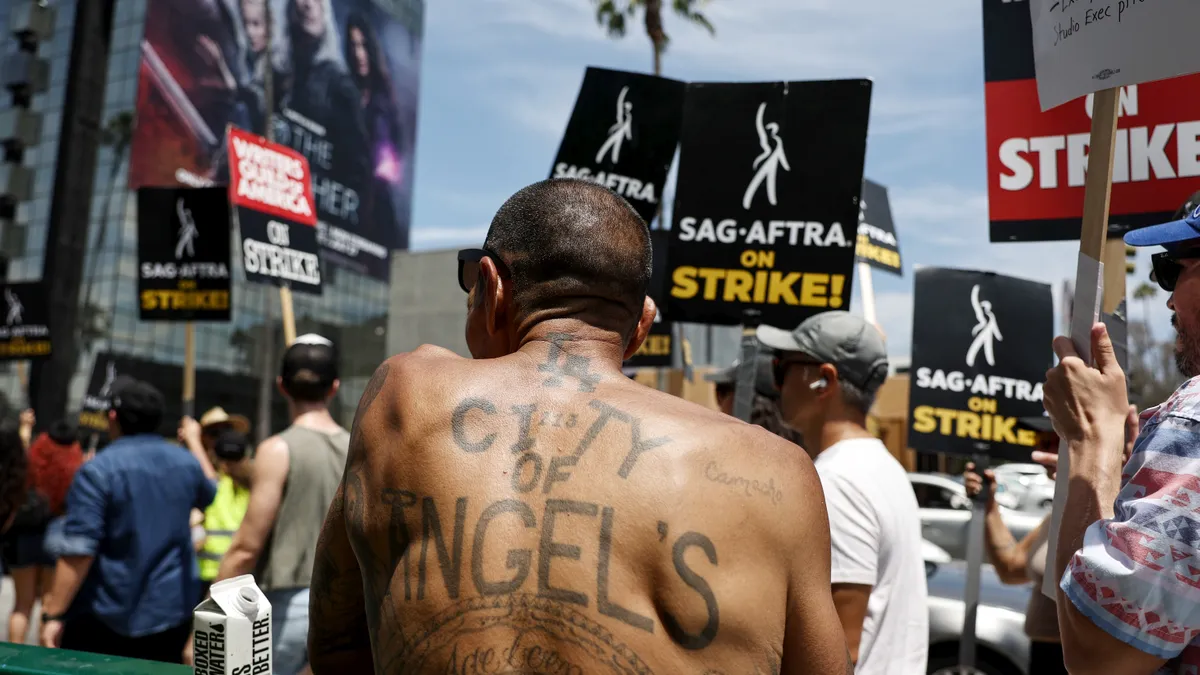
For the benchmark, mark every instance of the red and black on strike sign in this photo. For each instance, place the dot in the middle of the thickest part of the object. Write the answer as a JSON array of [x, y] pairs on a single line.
[[271, 188], [1037, 160]]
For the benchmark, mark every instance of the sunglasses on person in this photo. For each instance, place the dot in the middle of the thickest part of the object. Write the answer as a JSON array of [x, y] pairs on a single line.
[[468, 266], [781, 366], [1166, 267]]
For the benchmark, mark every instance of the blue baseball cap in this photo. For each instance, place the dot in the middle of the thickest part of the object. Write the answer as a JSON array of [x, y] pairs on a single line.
[[1174, 232]]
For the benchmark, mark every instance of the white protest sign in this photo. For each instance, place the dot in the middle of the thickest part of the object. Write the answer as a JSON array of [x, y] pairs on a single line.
[[1083, 46]]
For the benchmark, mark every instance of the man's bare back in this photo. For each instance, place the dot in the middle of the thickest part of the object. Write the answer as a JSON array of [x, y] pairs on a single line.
[[535, 511], [528, 515]]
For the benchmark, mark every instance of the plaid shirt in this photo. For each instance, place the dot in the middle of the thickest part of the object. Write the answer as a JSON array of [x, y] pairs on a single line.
[[1138, 575]]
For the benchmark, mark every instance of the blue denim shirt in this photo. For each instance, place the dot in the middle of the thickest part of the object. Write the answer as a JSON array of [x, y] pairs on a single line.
[[128, 509]]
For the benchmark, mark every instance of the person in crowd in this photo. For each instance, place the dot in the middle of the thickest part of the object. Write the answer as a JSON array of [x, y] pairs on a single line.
[[828, 371], [638, 499], [13, 470], [765, 411], [1024, 561], [26, 421], [1019, 562], [1127, 545], [54, 457], [200, 439], [723, 383], [316, 84], [126, 581], [231, 451], [295, 476], [368, 68]]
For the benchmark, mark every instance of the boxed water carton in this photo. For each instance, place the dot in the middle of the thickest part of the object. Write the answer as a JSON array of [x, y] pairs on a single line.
[[233, 630]]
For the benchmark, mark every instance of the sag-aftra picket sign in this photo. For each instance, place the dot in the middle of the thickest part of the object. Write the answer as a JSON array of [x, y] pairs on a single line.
[[980, 351], [184, 254], [622, 135], [766, 213]]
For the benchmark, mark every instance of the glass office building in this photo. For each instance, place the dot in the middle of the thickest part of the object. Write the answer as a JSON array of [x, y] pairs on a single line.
[[236, 362]]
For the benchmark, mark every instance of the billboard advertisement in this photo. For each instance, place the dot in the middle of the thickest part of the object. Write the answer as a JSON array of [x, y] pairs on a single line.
[[341, 77]]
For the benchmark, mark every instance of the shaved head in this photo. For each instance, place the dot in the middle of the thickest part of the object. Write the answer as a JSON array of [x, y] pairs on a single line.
[[574, 248]]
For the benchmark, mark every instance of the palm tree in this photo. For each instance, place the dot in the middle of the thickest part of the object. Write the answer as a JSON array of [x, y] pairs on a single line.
[[612, 15], [1145, 292], [116, 134]]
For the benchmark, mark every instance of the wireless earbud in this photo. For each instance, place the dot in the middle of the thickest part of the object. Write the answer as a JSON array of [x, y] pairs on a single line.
[[819, 384]]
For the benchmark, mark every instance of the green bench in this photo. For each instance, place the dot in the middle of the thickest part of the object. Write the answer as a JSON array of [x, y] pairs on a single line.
[[26, 660]]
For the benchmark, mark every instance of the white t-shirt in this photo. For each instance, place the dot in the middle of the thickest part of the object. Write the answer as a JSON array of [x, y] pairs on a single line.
[[875, 529]]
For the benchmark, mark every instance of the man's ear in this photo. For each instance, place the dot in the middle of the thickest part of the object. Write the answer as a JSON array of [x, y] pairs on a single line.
[[495, 294], [830, 374], [649, 312]]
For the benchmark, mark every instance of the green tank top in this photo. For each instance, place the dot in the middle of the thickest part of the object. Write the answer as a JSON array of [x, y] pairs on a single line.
[[315, 463]]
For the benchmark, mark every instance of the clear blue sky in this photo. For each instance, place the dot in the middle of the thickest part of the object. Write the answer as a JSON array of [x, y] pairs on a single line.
[[500, 76]]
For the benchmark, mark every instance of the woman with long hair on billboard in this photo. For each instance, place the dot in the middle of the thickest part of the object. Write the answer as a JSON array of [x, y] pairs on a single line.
[[368, 68]]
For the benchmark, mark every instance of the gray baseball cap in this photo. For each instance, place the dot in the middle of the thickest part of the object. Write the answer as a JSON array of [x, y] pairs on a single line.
[[841, 339]]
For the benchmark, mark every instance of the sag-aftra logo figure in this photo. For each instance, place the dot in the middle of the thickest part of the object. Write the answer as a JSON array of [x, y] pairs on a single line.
[[621, 131], [768, 162]]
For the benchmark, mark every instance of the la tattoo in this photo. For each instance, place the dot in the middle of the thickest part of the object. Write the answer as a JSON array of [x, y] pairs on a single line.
[[577, 367]]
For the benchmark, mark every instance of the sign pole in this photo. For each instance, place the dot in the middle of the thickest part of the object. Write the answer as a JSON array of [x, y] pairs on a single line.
[[189, 369], [1114, 274], [1089, 282], [975, 533], [863, 277], [747, 371], [23, 379], [289, 317]]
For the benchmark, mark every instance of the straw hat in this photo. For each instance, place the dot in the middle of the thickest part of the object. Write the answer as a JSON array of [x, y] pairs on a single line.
[[218, 415]]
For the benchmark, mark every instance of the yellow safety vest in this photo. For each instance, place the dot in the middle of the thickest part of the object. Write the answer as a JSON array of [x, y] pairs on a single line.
[[221, 520]]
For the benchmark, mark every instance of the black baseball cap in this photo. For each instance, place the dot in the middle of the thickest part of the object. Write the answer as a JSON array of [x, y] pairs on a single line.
[[63, 432], [309, 367], [231, 445], [139, 406], [764, 378]]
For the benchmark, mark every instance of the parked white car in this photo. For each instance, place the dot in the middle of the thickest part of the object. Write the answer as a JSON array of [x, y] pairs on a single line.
[[1029, 485], [946, 512], [1001, 646]]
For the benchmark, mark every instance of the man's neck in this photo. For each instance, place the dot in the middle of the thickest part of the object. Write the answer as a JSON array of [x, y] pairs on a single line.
[[312, 415], [570, 346], [832, 432]]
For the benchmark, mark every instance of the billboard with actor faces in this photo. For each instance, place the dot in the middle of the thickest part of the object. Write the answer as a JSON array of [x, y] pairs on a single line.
[[339, 78]]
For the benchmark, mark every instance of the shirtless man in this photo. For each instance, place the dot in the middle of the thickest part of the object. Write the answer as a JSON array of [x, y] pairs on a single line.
[[535, 511]]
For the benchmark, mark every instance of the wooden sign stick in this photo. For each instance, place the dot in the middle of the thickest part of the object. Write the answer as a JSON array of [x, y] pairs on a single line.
[[1089, 282], [189, 369], [289, 316]]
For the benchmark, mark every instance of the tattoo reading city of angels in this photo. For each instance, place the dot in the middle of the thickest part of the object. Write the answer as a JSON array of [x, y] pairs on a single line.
[[434, 538], [474, 427], [520, 609]]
